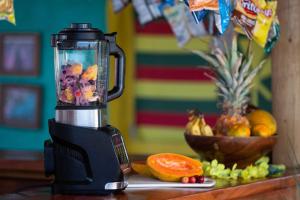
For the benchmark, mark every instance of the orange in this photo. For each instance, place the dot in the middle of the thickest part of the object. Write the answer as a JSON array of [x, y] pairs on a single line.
[[261, 117], [261, 130], [239, 130]]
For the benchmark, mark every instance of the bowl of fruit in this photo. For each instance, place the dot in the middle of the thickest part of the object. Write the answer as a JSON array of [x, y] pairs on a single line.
[[238, 136], [242, 144]]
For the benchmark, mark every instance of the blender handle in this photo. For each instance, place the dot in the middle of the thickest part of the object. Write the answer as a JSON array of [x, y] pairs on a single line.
[[119, 55]]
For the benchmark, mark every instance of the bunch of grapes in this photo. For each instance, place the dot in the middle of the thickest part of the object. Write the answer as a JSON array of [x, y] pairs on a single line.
[[260, 169]]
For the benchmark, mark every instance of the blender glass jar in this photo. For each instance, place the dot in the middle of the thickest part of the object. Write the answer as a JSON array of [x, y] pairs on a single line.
[[81, 72]]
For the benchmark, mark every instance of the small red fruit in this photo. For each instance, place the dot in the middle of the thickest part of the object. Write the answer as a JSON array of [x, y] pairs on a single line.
[[200, 179], [185, 179], [192, 179]]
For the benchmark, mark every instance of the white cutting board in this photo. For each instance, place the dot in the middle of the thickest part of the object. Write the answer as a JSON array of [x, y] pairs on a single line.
[[138, 181]]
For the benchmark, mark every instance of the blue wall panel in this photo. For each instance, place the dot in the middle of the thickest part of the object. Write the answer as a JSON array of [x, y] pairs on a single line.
[[44, 17]]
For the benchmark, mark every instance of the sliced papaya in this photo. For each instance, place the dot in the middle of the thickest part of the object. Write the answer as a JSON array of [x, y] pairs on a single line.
[[172, 167], [141, 168]]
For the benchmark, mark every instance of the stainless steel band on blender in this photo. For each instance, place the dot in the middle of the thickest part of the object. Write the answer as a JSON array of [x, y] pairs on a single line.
[[92, 118]]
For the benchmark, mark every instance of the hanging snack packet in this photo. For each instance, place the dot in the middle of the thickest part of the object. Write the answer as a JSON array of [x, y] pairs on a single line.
[[196, 5], [7, 11], [147, 10], [143, 12], [175, 16], [154, 7], [118, 5], [263, 23], [195, 29], [273, 36], [198, 15], [223, 17], [244, 17]]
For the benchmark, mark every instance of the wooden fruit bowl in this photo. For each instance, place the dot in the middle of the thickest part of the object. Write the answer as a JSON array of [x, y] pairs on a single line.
[[230, 150]]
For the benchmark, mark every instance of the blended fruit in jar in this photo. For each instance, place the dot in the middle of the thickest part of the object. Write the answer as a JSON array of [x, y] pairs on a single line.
[[78, 86]]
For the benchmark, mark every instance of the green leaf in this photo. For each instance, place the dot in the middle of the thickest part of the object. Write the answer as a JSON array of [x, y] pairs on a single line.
[[234, 52], [206, 57]]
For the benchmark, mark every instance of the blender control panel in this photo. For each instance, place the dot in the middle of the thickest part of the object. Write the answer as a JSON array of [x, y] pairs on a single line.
[[120, 152]]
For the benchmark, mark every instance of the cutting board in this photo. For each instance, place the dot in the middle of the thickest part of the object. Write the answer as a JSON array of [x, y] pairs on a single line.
[[138, 181]]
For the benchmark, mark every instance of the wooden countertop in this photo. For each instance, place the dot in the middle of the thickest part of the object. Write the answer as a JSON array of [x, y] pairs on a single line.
[[275, 189], [32, 168]]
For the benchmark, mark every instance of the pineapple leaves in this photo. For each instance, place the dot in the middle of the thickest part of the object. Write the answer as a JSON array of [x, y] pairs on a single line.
[[233, 75], [221, 57], [207, 57], [217, 66], [234, 51], [248, 79], [236, 67], [244, 69]]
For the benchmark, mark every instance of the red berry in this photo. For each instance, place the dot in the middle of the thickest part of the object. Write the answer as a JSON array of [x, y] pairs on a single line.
[[185, 179], [192, 179], [77, 93], [200, 179]]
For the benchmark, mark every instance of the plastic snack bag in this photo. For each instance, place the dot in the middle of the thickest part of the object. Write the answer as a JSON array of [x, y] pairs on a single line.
[[154, 7], [223, 17], [118, 5], [196, 5], [244, 17], [147, 10], [175, 16], [198, 15], [196, 29], [264, 21], [7, 11], [144, 14], [273, 36]]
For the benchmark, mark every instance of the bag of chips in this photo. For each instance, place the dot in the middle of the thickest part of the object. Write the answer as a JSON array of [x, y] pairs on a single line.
[[196, 5], [198, 15], [223, 16], [7, 11], [195, 28], [264, 21], [244, 17], [254, 18], [273, 36], [118, 5], [175, 16]]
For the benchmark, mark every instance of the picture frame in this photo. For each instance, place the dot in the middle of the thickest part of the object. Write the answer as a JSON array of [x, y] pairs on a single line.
[[19, 54], [21, 106]]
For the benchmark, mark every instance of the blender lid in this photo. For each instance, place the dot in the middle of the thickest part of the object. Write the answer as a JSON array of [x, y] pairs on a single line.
[[77, 31]]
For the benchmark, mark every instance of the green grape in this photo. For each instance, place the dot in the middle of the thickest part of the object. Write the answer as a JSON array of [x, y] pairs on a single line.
[[214, 163], [220, 166], [263, 159], [235, 173], [245, 174], [260, 169], [252, 170], [263, 172]]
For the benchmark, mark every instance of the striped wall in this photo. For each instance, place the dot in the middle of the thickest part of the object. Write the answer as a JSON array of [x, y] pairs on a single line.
[[169, 81]]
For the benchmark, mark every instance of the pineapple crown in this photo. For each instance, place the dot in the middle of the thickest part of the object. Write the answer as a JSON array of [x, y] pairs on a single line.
[[233, 75]]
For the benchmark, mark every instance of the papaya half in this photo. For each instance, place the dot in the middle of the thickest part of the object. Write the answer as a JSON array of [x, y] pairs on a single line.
[[172, 167]]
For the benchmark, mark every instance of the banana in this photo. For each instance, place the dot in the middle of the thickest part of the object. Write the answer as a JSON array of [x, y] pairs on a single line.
[[196, 128], [205, 128], [197, 125]]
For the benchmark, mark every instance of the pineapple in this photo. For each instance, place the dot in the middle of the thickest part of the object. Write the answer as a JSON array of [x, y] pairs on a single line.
[[233, 78]]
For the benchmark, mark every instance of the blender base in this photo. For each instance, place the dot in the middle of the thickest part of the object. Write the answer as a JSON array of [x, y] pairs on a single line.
[[85, 160]]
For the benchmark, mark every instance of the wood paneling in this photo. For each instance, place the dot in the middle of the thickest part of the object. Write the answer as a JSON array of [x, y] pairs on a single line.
[[286, 84]]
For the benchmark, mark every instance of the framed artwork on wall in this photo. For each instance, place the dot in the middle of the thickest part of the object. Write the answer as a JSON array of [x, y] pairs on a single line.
[[19, 54], [20, 106]]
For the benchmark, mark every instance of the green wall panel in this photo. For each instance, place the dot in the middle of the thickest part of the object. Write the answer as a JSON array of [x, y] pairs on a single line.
[[45, 17]]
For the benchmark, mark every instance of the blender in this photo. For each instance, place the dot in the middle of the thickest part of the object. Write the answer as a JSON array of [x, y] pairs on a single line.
[[85, 154]]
